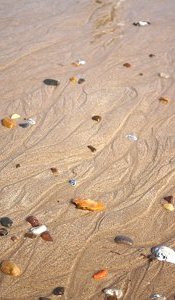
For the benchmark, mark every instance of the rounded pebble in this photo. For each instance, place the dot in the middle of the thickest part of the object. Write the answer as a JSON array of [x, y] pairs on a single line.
[[58, 291], [6, 122], [73, 182], [52, 82], [3, 231], [44, 298], [6, 222], [157, 296], [24, 125], [111, 292], [33, 221], [122, 239], [38, 230]]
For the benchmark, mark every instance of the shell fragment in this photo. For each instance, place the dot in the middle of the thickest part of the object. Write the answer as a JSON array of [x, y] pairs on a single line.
[[164, 253], [38, 230]]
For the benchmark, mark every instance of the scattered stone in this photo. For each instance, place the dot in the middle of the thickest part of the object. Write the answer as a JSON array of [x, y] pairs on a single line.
[[141, 23], [54, 171], [169, 206], [163, 253], [88, 204], [38, 230], [168, 198], [93, 149], [14, 238], [6, 222], [122, 239], [157, 296], [24, 125], [163, 100], [10, 268], [7, 122], [44, 298], [18, 165], [73, 182], [3, 231], [127, 65], [15, 116], [151, 55], [100, 274], [96, 118], [51, 82], [73, 79], [30, 235], [46, 236], [113, 292], [164, 75], [58, 291], [132, 137], [141, 74], [81, 80], [79, 62], [33, 221], [30, 121]]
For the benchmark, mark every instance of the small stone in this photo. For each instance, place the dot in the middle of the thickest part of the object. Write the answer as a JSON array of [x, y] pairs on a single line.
[[3, 231], [73, 79], [157, 296], [113, 292], [79, 62], [24, 125], [131, 137], [10, 268], [44, 298], [122, 239], [164, 100], [15, 116], [164, 75], [33, 221], [18, 165], [127, 65], [14, 238], [30, 235], [141, 23], [81, 80], [7, 122], [100, 274], [58, 291], [151, 55], [96, 118], [54, 171], [93, 149], [169, 206], [51, 82], [30, 121], [46, 236], [168, 198], [73, 182], [6, 222], [38, 230], [140, 74]]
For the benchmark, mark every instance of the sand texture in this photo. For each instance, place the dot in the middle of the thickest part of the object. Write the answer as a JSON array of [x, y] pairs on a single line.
[[39, 40]]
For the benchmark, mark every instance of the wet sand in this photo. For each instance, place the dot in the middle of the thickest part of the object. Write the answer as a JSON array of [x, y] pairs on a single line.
[[40, 39]]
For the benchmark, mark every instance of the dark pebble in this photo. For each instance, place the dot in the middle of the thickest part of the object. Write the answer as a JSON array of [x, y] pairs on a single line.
[[3, 231], [81, 80], [122, 239], [18, 165], [24, 125], [58, 291], [93, 149], [44, 298], [54, 171], [96, 118], [52, 82], [6, 222], [151, 55], [33, 221], [141, 74], [168, 199]]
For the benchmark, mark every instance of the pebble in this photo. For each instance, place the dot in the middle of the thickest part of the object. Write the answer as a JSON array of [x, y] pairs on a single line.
[[81, 80], [151, 55], [163, 253], [24, 125], [7, 122], [127, 65], [54, 171], [14, 238], [157, 296], [51, 82], [141, 23], [79, 62], [6, 222], [10, 268], [168, 198], [73, 182], [18, 165], [93, 149], [113, 292], [88, 204], [38, 230], [96, 118], [15, 116], [33, 221], [30, 121], [100, 274], [164, 75], [73, 79], [46, 236], [3, 231], [122, 239], [30, 235], [163, 100], [58, 291], [44, 298], [131, 137], [169, 206]]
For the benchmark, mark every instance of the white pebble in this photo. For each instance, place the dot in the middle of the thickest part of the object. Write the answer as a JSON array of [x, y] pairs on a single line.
[[15, 116], [31, 121], [38, 230], [131, 137], [164, 253], [164, 75], [157, 296], [142, 23], [113, 292]]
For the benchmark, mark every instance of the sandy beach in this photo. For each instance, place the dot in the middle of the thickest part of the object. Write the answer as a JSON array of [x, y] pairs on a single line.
[[132, 169]]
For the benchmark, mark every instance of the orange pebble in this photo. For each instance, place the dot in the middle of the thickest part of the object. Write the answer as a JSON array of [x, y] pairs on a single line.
[[7, 122], [100, 274]]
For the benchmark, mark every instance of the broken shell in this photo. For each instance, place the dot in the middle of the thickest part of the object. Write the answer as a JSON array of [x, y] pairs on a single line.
[[3, 231], [163, 253], [33, 221], [89, 204], [163, 75], [52, 82], [79, 62], [93, 149], [6, 222], [58, 291], [122, 239], [73, 79], [30, 121], [169, 206], [100, 274], [46, 236], [8, 123], [44, 298], [54, 171], [38, 230], [10, 268], [157, 296], [127, 65], [113, 292], [131, 137], [96, 118], [15, 116], [163, 100], [141, 23]]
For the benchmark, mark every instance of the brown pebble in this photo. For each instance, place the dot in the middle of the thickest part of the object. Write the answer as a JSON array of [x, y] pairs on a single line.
[[96, 118], [122, 239], [3, 231], [151, 55], [52, 82], [30, 235], [14, 238], [44, 298], [18, 165], [58, 291], [7, 122], [33, 221], [163, 100], [169, 206], [10, 268], [81, 80], [127, 65], [92, 148], [168, 199], [54, 171], [140, 74], [46, 236]]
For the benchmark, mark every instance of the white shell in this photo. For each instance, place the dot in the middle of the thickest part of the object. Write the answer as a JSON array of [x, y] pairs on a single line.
[[31, 121], [157, 296], [143, 23], [15, 116], [81, 62], [164, 253], [113, 292], [38, 230], [131, 137], [164, 75]]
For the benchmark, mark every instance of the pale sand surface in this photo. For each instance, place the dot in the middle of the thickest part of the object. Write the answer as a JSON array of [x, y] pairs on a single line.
[[40, 39]]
